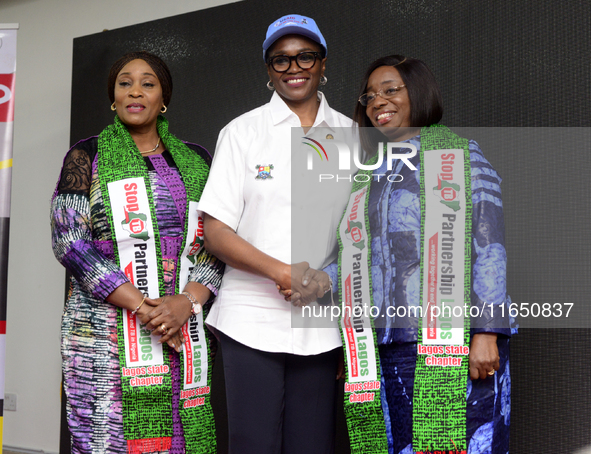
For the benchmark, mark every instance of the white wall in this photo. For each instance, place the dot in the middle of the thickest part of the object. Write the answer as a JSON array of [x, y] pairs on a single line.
[[41, 138]]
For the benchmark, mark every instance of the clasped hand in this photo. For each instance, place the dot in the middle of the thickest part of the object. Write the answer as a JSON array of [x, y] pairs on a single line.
[[484, 356], [305, 284], [165, 316]]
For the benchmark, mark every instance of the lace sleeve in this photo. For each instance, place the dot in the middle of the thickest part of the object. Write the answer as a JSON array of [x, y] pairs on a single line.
[[76, 172]]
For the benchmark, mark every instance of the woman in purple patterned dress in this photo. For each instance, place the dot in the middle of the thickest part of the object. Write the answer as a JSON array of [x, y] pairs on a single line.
[[140, 87]]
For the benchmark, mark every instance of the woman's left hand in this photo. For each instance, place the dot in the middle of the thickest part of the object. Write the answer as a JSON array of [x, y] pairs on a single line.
[[484, 355], [176, 341], [168, 317]]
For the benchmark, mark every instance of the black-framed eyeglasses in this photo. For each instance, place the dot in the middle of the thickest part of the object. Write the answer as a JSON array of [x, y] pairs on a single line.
[[305, 60], [389, 92]]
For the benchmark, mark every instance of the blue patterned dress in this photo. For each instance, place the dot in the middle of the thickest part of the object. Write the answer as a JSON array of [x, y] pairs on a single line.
[[81, 240], [395, 224]]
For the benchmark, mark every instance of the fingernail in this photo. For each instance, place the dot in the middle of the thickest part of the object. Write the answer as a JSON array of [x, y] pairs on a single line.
[[172, 345], [305, 282]]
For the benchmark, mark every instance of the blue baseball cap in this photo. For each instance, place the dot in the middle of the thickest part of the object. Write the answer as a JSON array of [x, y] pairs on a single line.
[[293, 24]]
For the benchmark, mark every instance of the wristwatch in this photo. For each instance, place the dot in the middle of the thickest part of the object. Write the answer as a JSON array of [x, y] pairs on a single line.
[[195, 305]]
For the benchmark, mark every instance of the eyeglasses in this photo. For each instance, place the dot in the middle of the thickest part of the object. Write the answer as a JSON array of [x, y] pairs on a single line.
[[389, 92], [305, 60]]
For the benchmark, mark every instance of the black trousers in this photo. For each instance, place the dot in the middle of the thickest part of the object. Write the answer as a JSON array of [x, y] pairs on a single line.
[[279, 403]]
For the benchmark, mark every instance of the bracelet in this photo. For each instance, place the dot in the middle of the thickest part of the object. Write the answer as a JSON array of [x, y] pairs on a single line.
[[195, 305], [138, 308], [191, 297]]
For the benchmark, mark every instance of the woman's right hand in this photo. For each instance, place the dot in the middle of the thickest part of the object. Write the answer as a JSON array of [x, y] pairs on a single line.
[[146, 308], [308, 284], [129, 297], [146, 314], [223, 242], [172, 312]]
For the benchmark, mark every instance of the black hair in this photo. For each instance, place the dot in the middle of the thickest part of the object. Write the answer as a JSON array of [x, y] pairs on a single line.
[[426, 103], [156, 63]]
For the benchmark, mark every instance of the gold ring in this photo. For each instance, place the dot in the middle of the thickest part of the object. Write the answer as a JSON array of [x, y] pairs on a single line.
[[492, 372], [163, 327]]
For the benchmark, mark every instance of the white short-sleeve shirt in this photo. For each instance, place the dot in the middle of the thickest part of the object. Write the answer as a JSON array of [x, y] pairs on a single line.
[[239, 193]]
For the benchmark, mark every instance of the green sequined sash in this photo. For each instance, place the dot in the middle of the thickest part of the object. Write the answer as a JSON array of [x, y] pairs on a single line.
[[439, 401], [147, 410]]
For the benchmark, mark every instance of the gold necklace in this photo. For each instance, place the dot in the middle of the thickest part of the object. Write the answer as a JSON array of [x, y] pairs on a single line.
[[153, 149]]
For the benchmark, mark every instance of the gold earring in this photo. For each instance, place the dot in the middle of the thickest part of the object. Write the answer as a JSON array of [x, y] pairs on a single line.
[[113, 108], [164, 109]]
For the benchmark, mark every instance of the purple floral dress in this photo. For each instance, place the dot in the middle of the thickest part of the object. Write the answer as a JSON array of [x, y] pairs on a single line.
[[81, 240]]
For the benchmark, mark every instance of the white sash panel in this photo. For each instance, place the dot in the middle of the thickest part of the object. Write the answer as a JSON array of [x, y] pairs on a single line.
[[134, 233], [356, 305], [443, 254], [195, 353], [193, 243]]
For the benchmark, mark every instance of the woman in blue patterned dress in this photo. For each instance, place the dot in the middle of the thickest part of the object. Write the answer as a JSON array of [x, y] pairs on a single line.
[[399, 96], [85, 242]]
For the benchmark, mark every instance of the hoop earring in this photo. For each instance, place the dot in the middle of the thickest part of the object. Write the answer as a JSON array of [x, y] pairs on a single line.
[[323, 80], [164, 109], [270, 86], [113, 108]]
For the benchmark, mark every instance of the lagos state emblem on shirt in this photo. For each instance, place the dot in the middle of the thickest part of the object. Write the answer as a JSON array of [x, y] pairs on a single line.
[[264, 171]]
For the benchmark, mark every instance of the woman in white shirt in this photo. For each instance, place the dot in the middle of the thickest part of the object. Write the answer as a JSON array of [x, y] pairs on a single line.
[[280, 381]]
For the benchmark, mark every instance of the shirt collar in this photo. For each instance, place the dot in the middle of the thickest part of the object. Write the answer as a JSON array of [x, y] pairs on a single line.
[[280, 112]]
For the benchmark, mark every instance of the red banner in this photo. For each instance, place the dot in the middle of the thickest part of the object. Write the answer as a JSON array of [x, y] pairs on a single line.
[[7, 70], [7, 97]]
